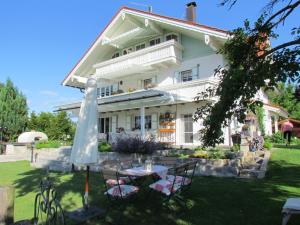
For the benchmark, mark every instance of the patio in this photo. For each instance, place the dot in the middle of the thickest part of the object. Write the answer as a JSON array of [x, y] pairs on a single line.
[[210, 200]]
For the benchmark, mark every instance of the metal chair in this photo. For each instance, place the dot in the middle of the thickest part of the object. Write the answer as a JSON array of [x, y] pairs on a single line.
[[171, 188], [116, 188]]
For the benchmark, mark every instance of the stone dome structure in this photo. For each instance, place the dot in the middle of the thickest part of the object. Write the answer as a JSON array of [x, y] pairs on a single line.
[[32, 136]]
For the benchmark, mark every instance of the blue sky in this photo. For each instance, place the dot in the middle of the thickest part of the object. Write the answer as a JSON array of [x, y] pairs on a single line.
[[40, 41]]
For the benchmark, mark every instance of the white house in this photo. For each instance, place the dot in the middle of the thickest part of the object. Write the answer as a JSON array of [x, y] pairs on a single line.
[[149, 68]]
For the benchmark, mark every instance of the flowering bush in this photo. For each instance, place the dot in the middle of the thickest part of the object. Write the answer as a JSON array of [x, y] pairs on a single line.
[[136, 145]]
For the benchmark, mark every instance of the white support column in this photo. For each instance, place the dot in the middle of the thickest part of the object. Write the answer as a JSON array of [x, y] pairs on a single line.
[[142, 114], [276, 124]]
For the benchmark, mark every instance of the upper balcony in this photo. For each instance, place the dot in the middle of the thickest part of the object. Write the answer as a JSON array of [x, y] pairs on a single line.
[[164, 54]]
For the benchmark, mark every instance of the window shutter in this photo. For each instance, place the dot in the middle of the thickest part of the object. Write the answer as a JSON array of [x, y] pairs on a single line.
[[154, 121], [128, 123], [177, 77], [195, 73], [114, 121]]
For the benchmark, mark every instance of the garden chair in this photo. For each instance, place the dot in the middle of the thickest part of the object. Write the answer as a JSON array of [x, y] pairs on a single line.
[[171, 188], [188, 178], [291, 206], [116, 187]]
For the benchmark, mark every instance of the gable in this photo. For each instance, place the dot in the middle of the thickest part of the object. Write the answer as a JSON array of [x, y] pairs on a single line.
[[130, 25]]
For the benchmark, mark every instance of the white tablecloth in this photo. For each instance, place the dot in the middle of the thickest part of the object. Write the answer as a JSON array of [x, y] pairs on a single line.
[[140, 171]]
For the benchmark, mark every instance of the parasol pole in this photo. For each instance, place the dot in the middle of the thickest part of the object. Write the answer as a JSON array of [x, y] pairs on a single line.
[[86, 194]]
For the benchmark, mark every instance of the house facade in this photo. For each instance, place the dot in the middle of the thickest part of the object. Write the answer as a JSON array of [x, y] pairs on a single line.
[[149, 69]]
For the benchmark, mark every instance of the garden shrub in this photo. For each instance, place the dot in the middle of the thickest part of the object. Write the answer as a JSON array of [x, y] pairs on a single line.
[[295, 141], [199, 148], [216, 154], [230, 154], [200, 154], [136, 145], [268, 145], [104, 147], [48, 144], [276, 138], [235, 148]]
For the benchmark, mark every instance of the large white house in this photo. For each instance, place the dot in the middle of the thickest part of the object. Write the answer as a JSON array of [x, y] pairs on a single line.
[[149, 69]]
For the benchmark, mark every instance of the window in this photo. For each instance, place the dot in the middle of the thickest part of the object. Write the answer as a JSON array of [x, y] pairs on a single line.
[[104, 125], [127, 51], [147, 83], [137, 122], [188, 128], [104, 91], [186, 75], [155, 41], [172, 37], [115, 55], [140, 46]]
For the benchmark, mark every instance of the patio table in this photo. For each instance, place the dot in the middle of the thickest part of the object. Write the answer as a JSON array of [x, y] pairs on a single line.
[[140, 171]]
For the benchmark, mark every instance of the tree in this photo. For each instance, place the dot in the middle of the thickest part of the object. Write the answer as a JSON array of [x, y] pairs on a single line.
[[57, 126], [284, 96], [13, 111], [252, 63]]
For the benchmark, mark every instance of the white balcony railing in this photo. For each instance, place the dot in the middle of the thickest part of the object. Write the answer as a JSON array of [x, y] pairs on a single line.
[[169, 52]]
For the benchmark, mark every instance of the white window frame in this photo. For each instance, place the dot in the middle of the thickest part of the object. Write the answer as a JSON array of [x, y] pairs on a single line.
[[143, 43], [126, 49], [104, 91], [172, 33], [154, 39], [189, 76], [145, 80], [147, 117], [113, 56]]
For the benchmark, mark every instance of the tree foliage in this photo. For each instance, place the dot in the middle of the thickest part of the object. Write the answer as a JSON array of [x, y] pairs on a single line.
[[285, 96], [57, 126], [251, 64], [13, 111]]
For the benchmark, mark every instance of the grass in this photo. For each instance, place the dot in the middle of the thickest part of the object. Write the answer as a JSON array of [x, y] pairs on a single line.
[[213, 201]]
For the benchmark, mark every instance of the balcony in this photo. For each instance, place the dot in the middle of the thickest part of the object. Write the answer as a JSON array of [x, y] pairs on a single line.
[[152, 58]]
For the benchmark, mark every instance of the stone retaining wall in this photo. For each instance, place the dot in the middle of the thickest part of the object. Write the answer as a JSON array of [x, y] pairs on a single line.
[[205, 167]]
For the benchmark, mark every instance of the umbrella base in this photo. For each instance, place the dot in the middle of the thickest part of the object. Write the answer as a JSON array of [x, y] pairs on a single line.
[[83, 214]]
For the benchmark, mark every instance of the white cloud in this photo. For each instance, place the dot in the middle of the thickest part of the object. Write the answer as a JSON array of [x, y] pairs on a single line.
[[49, 93]]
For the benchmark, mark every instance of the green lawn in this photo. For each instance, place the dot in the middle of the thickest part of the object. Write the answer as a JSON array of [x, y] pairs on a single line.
[[211, 201]]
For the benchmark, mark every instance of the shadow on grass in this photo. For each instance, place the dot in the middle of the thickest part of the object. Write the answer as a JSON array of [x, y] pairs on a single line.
[[213, 201], [286, 147]]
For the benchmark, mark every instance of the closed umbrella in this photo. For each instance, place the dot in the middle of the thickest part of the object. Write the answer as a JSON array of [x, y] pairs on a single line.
[[85, 146]]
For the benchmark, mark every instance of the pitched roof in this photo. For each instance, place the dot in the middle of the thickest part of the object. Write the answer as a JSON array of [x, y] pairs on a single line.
[[181, 21]]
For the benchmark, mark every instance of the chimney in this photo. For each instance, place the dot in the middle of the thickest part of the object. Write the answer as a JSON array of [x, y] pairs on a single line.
[[191, 12]]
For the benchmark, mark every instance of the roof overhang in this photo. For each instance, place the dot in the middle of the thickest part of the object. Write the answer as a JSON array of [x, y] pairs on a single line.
[[126, 101]]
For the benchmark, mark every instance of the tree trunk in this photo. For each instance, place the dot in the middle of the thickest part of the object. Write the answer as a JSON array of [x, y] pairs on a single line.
[[7, 197]]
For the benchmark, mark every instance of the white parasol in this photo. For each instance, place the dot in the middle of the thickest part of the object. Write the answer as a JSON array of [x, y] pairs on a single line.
[[85, 146]]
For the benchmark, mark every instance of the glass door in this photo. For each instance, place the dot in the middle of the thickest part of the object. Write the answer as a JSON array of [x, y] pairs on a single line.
[[188, 128], [104, 125]]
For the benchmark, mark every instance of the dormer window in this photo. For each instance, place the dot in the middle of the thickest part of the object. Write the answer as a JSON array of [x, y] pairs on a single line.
[[171, 37], [155, 41], [115, 55], [140, 46]]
